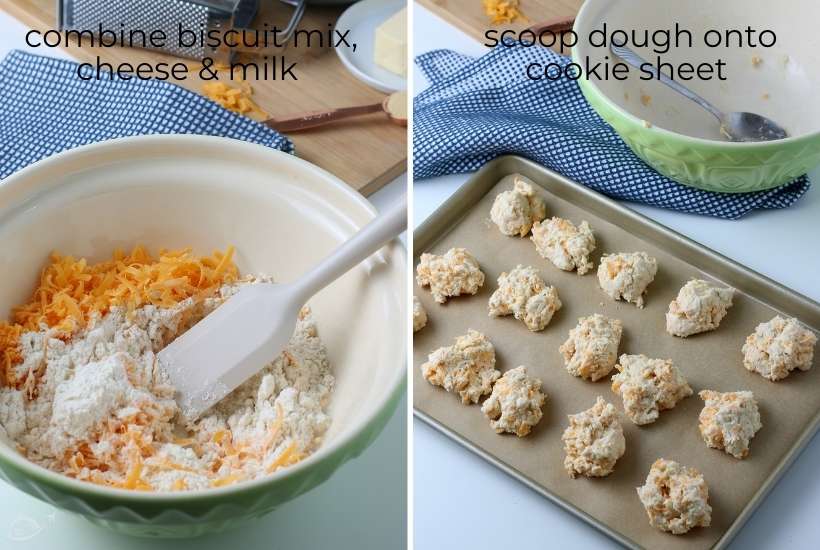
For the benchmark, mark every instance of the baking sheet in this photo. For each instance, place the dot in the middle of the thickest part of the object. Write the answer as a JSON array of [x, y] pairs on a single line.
[[789, 408]]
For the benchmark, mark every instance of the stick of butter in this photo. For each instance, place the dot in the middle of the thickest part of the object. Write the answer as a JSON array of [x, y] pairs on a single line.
[[391, 43]]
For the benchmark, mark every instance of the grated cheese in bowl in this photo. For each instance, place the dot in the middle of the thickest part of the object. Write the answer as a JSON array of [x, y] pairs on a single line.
[[80, 392]]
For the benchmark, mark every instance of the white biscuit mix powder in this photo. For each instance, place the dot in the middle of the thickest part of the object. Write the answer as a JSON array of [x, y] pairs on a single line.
[[102, 412]]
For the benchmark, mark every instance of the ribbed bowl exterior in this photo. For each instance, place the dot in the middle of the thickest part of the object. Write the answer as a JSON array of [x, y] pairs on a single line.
[[712, 166], [195, 514]]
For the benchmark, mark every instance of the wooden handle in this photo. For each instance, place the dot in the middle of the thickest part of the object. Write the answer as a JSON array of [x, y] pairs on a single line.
[[557, 25], [319, 118]]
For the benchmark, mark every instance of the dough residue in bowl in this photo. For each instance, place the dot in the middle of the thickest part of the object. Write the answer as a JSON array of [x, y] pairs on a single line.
[[82, 395]]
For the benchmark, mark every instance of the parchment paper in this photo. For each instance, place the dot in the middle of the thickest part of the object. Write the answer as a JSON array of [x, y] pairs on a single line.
[[711, 360]]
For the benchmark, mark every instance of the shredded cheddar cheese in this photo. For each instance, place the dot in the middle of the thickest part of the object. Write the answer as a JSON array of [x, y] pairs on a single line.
[[237, 100], [133, 478], [71, 291], [168, 465], [219, 436], [9, 352], [227, 480], [277, 426], [289, 456], [503, 11]]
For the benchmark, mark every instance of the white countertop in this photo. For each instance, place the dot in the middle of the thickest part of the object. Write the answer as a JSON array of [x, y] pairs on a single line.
[[363, 506], [462, 501]]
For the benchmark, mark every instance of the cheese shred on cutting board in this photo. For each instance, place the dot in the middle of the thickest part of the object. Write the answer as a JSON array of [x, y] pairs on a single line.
[[237, 100], [503, 11]]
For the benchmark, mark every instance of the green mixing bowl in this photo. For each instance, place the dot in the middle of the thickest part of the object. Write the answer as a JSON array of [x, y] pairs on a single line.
[[678, 138], [158, 190]]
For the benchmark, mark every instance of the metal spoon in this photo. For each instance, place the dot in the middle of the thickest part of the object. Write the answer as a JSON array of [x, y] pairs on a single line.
[[737, 127]]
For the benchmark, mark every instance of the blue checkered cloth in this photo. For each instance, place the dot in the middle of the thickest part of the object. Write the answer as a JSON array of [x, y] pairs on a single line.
[[46, 108], [479, 109]]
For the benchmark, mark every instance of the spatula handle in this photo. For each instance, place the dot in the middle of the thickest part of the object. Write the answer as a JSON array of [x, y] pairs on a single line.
[[364, 243]]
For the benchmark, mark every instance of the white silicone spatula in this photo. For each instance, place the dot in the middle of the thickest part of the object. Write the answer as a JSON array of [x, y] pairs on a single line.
[[253, 326]]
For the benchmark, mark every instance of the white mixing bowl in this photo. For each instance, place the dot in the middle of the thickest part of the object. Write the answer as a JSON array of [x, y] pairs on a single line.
[[283, 215]]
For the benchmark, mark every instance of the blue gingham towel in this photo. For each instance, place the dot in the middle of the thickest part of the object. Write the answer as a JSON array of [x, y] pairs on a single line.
[[46, 108], [479, 109]]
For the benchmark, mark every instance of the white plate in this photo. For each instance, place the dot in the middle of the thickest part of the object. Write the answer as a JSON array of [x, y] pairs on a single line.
[[362, 18]]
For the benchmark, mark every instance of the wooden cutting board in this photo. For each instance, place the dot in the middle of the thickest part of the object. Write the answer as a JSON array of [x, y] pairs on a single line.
[[469, 16], [366, 153]]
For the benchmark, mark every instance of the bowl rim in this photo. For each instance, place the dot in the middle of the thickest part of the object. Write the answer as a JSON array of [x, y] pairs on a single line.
[[584, 19], [327, 452]]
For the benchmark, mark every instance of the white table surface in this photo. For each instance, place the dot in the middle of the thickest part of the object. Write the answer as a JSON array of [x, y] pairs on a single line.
[[462, 501], [363, 506]]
